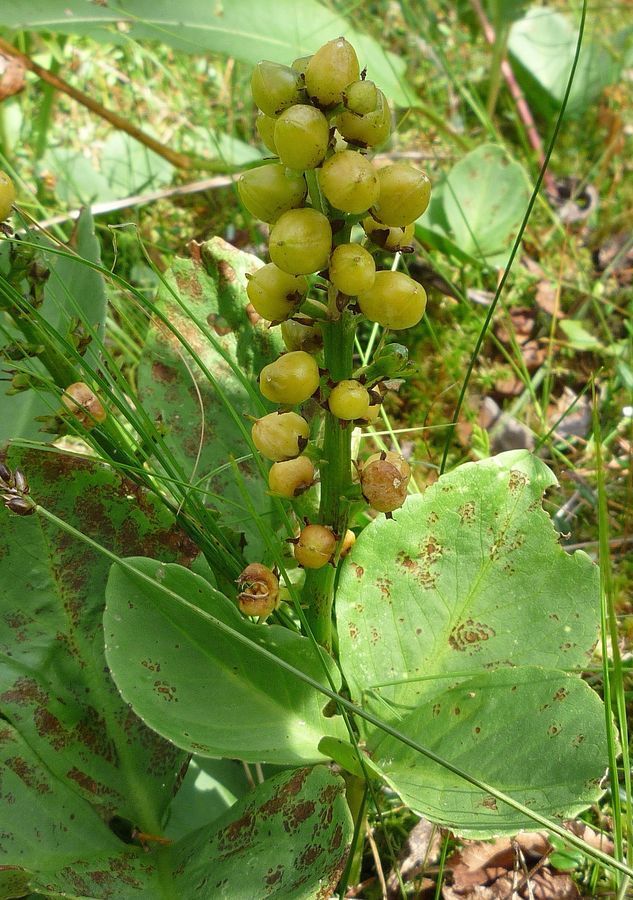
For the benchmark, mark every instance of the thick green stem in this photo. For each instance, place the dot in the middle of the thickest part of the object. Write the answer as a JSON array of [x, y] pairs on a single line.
[[336, 478]]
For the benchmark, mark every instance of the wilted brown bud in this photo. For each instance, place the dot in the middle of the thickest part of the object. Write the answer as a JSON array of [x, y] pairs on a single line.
[[384, 480], [83, 404], [14, 491], [259, 590]]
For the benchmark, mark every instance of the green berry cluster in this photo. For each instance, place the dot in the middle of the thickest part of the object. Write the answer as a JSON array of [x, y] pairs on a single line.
[[320, 116]]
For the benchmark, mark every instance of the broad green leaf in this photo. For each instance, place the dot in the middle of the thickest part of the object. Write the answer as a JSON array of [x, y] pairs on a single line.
[[542, 46], [288, 837], [210, 787], [534, 734], [55, 689], [468, 579], [203, 689], [247, 30], [484, 199], [211, 290]]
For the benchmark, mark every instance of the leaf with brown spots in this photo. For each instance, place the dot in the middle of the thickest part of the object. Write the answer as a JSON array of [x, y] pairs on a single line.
[[209, 289], [475, 571]]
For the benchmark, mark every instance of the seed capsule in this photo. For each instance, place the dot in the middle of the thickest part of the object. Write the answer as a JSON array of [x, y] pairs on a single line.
[[83, 404], [352, 269], [301, 137], [292, 477], [315, 546], [259, 590], [275, 294], [300, 241], [349, 181], [302, 337], [393, 239], [330, 70], [7, 196], [349, 400], [384, 479], [395, 300], [280, 436], [369, 130], [275, 87], [265, 126], [404, 195], [361, 97], [290, 379], [348, 542], [268, 191]]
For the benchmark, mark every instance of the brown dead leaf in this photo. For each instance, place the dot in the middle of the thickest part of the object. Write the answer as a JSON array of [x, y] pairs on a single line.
[[506, 432], [572, 413], [507, 869], [12, 73], [591, 837], [517, 323], [547, 298], [533, 355], [421, 849], [509, 386]]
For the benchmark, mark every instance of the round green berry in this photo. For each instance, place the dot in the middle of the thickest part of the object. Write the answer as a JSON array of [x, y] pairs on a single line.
[[315, 547], [393, 239], [395, 300], [300, 241], [7, 196], [297, 336], [292, 477], [275, 87], [265, 126], [361, 97], [349, 181], [275, 294], [369, 130], [404, 195], [349, 400], [290, 379], [352, 269], [268, 191], [280, 436], [301, 137], [330, 70]]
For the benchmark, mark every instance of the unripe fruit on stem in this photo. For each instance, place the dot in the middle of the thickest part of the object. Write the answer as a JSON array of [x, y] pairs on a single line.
[[404, 195], [7, 196], [301, 137], [384, 479], [300, 241], [372, 414], [369, 130], [347, 543], [393, 239], [361, 97], [275, 294], [259, 590], [352, 269], [290, 379], [280, 436], [265, 126], [291, 478], [84, 405], [302, 337], [275, 87], [315, 546], [395, 300], [349, 400], [300, 64], [268, 191], [330, 70], [349, 181]]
